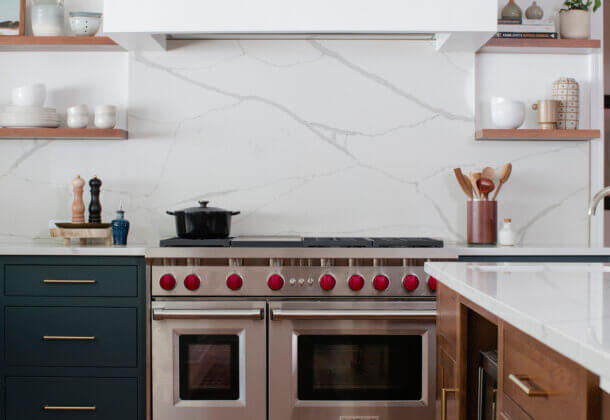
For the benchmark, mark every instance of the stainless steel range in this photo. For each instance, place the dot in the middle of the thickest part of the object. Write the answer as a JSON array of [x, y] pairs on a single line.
[[294, 329]]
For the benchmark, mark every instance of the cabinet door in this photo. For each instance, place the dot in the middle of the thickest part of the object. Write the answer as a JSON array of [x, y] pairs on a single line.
[[447, 406]]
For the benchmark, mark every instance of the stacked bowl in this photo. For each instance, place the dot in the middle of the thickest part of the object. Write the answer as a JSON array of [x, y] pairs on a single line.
[[27, 109]]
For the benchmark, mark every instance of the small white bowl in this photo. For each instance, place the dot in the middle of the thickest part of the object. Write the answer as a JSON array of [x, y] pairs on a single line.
[[78, 109], [105, 116], [77, 120], [85, 23], [31, 95], [506, 113]]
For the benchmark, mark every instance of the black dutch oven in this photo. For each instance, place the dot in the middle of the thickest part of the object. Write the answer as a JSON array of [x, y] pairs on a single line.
[[203, 222]]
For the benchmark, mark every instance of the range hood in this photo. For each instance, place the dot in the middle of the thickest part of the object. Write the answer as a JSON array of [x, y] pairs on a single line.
[[449, 25]]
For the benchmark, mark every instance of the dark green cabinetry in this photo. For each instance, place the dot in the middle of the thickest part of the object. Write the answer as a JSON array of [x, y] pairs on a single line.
[[74, 338]]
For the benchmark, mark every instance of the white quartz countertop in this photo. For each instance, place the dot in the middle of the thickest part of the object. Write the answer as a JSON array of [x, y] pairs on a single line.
[[52, 249], [565, 306]]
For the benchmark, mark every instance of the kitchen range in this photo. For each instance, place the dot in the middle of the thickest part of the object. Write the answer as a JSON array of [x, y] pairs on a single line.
[[293, 328]]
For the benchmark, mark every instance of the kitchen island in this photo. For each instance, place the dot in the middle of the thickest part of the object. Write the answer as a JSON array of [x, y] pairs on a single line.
[[550, 324]]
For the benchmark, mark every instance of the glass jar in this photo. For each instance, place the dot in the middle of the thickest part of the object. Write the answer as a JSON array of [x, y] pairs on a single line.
[[48, 17]]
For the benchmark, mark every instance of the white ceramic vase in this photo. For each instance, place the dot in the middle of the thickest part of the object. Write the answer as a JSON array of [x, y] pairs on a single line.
[[575, 24]]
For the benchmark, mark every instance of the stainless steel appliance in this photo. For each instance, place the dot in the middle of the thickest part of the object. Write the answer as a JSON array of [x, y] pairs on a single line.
[[293, 332]]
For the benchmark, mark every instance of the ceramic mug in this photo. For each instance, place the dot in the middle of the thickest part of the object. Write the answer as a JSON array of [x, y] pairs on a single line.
[[547, 113]]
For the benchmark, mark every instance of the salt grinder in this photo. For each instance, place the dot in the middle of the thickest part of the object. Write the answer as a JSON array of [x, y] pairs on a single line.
[[95, 206], [78, 205]]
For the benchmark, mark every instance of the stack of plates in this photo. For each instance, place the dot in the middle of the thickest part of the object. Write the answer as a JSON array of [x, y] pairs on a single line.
[[29, 116]]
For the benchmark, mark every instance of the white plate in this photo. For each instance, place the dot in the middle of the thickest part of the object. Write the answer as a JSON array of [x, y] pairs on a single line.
[[27, 109], [39, 125]]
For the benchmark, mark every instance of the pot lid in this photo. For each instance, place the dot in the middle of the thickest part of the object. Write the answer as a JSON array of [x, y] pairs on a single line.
[[203, 208]]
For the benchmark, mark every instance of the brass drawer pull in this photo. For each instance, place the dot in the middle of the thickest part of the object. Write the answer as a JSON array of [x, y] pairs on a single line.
[[519, 380], [444, 392], [69, 281], [69, 408], [68, 337]]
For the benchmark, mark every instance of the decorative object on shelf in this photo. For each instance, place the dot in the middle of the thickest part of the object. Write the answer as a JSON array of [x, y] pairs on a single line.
[[12, 17], [30, 95], [95, 206], [85, 23], [77, 116], [105, 116], [507, 114], [78, 205], [27, 110], [83, 235], [512, 11], [507, 236], [482, 222], [566, 91], [537, 29], [534, 12], [120, 227], [48, 17], [575, 18], [548, 110]]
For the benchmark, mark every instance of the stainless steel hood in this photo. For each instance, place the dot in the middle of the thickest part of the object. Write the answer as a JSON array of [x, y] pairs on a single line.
[[449, 25]]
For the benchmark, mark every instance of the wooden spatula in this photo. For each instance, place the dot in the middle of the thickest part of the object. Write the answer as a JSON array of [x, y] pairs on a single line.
[[504, 175], [461, 179]]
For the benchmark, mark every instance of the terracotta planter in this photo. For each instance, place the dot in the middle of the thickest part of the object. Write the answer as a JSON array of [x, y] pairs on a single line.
[[482, 222], [575, 24]]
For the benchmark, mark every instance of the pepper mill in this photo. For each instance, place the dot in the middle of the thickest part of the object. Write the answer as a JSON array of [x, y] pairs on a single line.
[[78, 206], [95, 206]]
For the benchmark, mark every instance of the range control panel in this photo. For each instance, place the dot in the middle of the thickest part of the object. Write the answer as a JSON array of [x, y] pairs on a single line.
[[278, 279]]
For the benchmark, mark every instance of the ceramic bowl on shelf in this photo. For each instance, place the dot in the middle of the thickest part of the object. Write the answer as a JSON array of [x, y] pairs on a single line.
[[105, 116], [506, 113], [31, 95], [85, 23], [77, 116]]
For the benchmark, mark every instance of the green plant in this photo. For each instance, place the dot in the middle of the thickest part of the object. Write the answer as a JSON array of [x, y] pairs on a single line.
[[582, 5]]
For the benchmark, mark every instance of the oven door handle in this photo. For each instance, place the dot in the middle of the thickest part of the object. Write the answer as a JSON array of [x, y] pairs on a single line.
[[161, 314], [280, 314]]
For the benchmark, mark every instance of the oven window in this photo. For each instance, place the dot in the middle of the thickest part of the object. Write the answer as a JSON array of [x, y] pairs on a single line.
[[209, 367], [360, 367]]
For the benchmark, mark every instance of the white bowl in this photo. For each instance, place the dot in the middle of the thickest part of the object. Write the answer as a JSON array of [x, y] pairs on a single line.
[[506, 113], [32, 95], [85, 23], [78, 109]]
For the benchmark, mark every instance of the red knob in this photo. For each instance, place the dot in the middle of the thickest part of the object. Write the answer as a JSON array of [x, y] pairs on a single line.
[[432, 283], [327, 282], [381, 282], [275, 282], [356, 282], [192, 282], [167, 282], [234, 282], [411, 282]]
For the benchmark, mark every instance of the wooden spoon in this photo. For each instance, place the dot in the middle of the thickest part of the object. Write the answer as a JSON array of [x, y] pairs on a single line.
[[486, 186], [473, 180], [461, 179], [488, 172], [504, 175]]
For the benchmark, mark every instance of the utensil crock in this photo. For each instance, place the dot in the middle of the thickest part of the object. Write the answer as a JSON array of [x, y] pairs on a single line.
[[482, 221]]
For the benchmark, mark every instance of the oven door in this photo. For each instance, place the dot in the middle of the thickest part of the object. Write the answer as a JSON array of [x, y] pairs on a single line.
[[208, 360], [352, 360]]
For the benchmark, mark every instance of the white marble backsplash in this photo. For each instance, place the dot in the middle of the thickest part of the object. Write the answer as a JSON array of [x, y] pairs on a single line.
[[303, 137]]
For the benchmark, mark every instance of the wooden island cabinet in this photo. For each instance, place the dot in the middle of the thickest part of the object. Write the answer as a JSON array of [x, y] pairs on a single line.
[[534, 381]]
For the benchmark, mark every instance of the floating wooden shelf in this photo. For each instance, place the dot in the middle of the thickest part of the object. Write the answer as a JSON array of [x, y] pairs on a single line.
[[63, 133], [58, 43], [536, 134], [540, 46]]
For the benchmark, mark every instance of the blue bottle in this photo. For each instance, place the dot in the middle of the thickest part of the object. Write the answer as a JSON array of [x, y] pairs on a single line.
[[120, 228]]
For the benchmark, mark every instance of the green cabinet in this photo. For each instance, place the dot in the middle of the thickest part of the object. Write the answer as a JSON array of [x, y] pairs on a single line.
[[74, 338]]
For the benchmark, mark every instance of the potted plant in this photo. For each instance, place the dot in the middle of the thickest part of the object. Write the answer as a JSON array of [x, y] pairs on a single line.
[[575, 18]]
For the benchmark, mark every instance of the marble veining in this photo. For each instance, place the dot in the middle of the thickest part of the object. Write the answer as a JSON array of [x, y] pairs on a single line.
[[311, 137]]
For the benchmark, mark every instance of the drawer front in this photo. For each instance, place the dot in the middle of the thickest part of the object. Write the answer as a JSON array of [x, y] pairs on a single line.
[[511, 411], [557, 385], [71, 398], [71, 280], [71, 336]]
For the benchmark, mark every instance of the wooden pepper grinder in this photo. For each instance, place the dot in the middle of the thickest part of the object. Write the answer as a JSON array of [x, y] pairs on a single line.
[[95, 206], [78, 205]]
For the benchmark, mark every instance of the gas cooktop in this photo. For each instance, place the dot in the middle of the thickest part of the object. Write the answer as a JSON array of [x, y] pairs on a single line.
[[305, 242]]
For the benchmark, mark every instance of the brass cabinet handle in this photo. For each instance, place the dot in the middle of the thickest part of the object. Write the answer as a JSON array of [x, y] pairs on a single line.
[[69, 281], [529, 391], [444, 392], [68, 337], [69, 408]]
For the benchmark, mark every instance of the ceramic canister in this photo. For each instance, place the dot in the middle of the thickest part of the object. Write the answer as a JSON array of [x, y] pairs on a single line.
[[548, 110], [566, 91]]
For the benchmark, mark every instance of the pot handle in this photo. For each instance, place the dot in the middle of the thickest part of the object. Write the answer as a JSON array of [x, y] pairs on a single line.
[[235, 213], [203, 203], [171, 213]]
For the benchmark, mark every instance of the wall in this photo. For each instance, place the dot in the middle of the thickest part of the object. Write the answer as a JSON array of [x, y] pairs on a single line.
[[309, 137]]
